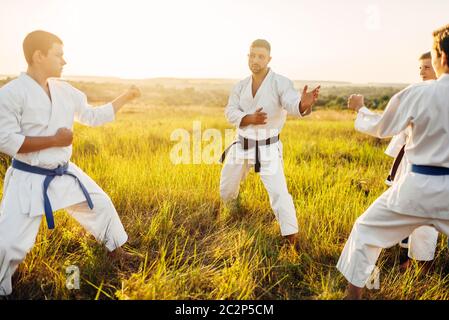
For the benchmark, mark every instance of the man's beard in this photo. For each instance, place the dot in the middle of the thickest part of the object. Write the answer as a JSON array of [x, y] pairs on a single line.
[[256, 68]]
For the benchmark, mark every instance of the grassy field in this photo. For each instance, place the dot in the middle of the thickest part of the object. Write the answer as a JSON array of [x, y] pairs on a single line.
[[190, 247]]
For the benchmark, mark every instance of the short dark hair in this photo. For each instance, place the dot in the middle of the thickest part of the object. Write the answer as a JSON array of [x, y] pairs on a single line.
[[38, 41], [425, 56], [441, 40], [261, 43]]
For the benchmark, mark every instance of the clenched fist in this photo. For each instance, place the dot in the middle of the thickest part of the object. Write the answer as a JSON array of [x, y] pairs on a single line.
[[133, 93], [255, 118], [63, 137], [355, 102]]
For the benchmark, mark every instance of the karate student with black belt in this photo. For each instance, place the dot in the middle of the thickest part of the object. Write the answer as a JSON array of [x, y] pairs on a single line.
[[258, 107]]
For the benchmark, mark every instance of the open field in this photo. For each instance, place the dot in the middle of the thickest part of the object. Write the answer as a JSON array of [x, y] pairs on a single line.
[[193, 249]]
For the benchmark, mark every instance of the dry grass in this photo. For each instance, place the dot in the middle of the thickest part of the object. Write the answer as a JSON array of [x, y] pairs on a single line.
[[193, 249]]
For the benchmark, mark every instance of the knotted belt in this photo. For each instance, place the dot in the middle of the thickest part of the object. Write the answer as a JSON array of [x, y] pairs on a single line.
[[428, 170], [50, 175], [249, 143]]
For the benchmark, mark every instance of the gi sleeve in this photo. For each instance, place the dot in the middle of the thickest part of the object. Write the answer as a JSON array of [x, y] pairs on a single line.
[[11, 138], [396, 117], [396, 144], [233, 112], [290, 98], [91, 116], [365, 119]]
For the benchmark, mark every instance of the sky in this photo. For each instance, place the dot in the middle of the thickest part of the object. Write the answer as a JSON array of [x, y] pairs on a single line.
[[358, 41]]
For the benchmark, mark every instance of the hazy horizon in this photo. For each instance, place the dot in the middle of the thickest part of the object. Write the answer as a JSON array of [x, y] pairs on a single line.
[[100, 77]]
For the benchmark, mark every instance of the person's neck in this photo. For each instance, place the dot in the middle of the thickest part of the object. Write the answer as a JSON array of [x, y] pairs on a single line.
[[260, 76], [446, 73], [38, 76]]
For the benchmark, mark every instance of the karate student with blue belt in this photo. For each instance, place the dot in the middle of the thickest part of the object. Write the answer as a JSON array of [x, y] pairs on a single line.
[[37, 113], [420, 196]]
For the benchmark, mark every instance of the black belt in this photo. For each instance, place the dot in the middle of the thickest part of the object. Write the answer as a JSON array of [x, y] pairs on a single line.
[[396, 163], [249, 143]]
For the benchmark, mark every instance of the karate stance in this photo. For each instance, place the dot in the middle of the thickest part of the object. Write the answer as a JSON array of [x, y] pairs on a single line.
[[420, 196], [422, 242], [36, 120], [258, 107]]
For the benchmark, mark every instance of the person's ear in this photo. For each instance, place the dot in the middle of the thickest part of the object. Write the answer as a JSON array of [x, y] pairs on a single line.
[[37, 56], [269, 59]]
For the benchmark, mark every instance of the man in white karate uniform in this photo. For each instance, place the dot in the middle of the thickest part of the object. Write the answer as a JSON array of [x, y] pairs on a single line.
[[422, 242], [420, 196], [36, 120], [258, 107]]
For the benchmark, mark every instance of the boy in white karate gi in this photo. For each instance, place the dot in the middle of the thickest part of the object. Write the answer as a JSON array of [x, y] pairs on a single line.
[[258, 107], [36, 120], [420, 196], [422, 242]]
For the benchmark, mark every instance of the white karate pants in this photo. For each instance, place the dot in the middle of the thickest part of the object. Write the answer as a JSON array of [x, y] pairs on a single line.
[[281, 201], [18, 233], [422, 243], [378, 228]]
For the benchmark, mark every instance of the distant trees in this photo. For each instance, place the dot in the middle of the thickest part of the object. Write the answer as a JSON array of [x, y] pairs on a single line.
[[200, 94], [376, 97]]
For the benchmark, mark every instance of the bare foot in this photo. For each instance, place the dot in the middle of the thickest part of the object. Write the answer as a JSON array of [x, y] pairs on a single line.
[[424, 266], [292, 239], [121, 258], [353, 292], [407, 264]]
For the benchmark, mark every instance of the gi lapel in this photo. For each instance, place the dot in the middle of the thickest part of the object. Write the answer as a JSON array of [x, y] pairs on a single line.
[[53, 122], [261, 91]]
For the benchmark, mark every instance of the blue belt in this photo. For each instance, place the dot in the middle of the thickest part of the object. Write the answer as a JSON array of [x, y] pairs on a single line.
[[50, 175], [430, 170]]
